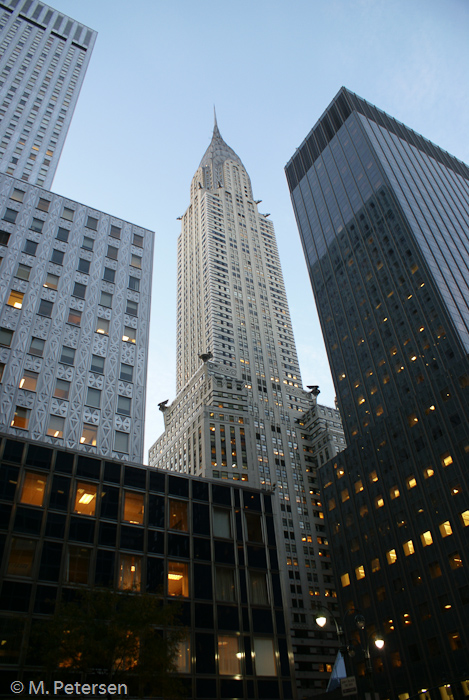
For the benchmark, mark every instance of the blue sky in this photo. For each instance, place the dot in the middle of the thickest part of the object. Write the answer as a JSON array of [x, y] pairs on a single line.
[[145, 116]]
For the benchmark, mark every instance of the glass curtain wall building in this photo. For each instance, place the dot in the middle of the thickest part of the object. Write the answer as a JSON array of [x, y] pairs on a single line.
[[383, 216]]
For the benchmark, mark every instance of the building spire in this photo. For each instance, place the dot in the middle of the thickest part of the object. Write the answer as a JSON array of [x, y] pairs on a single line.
[[217, 152]]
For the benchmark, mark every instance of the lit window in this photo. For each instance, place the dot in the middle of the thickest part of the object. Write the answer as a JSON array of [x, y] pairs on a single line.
[[15, 299], [363, 510], [183, 656], [408, 548], [130, 335], [178, 579], [344, 495], [29, 380], [225, 585], [379, 502], [464, 517], [405, 619], [21, 418], [33, 489], [455, 560], [229, 656], [391, 556], [56, 426], [130, 572], [455, 643], [133, 508], [411, 482], [178, 515], [265, 657], [412, 420], [375, 565], [345, 580], [446, 459], [429, 472], [394, 492], [445, 529], [331, 504], [85, 499], [89, 435], [259, 592], [426, 538], [358, 486], [360, 572], [102, 326], [373, 476], [379, 411]]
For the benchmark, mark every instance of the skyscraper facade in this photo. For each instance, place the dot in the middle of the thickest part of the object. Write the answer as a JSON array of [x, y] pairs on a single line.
[[383, 216], [240, 406], [43, 60]]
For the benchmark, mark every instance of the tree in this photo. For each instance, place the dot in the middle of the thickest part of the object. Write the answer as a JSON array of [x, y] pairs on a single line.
[[110, 637]]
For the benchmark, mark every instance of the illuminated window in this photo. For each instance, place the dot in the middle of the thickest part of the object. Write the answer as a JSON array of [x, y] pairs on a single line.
[[228, 656], [426, 538], [15, 299], [361, 400], [391, 556], [388, 626], [33, 489], [21, 418], [130, 572], [464, 517], [379, 411], [411, 482], [331, 504], [394, 492], [412, 419], [363, 511], [130, 335], [183, 656], [455, 640], [358, 486], [408, 548], [360, 572], [344, 495], [264, 656], [56, 427], [428, 472], [379, 502], [102, 326], [406, 619], [259, 592], [373, 476], [445, 529], [29, 380], [85, 499], [455, 560], [178, 515], [133, 507], [52, 281], [375, 565], [178, 579], [345, 580], [89, 435], [446, 459], [225, 584]]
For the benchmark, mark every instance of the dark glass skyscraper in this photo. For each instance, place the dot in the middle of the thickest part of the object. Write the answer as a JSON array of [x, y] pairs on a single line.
[[384, 217]]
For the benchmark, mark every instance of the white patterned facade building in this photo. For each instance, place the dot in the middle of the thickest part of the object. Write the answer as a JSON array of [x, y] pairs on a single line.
[[43, 60], [240, 408], [75, 307]]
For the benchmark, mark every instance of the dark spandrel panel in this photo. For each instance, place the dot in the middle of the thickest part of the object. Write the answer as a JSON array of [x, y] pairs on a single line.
[[256, 557], [202, 582], [38, 456], [262, 621], [45, 599], [15, 596], [104, 568], [110, 502], [245, 618], [221, 495], [273, 559], [230, 688], [132, 538], [268, 690], [202, 549], [136, 478], [156, 511], [156, 541], [157, 481], [107, 534], [64, 462], [242, 584], [59, 492], [224, 553], [228, 618], [241, 561], [200, 491], [28, 520], [252, 501], [178, 546], [200, 519], [277, 590], [155, 575], [13, 451], [270, 531], [50, 561], [283, 652], [287, 689], [204, 616], [5, 512], [81, 530], [239, 526], [237, 498], [184, 616], [268, 504], [88, 467], [205, 687], [8, 482], [205, 655], [112, 472], [178, 486]]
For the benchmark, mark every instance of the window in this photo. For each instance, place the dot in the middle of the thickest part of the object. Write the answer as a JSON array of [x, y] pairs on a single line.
[[56, 426], [126, 373], [373, 476], [29, 380], [115, 231], [254, 527], [97, 364], [345, 580], [178, 579], [225, 585], [30, 247], [434, 569], [79, 290], [52, 281], [4, 238], [138, 240], [45, 308], [228, 656], [62, 389], [10, 216], [21, 558], [446, 459], [106, 300], [109, 275], [130, 335], [394, 492], [6, 336], [67, 214], [102, 326], [15, 299], [133, 508], [375, 565], [92, 223], [62, 234], [88, 243], [426, 538], [37, 225], [84, 266], [264, 656], [57, 256], [136, 261], [379, 502], [408, 548], [183, 656], [36, 347], [112, 252], [134, 283], [455, 642], [93, 397], [123, 405], [85, 499], [360, 572], [17, 195], [259, 593], [446, 529], [21, 418], [344, 495], [130, 572], [455, 560], [178, 515], [23, 272], [391, 556], [74, 317], [121, 442], [131, 308], [464, 517], [411, 482], [78, 564], [68, 355], [221, 522], [34, 486], [2, 369], [89, 435]]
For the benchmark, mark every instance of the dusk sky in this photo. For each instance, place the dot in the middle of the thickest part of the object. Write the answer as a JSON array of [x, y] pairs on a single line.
[[145, 116]]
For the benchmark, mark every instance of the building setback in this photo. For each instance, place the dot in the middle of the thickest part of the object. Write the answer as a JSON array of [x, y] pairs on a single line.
[[383, 216], [240, 406], [43, 60]]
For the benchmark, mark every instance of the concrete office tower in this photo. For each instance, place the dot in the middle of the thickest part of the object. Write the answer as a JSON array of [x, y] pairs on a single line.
[[383, 215], [75, 307], [43, 60], [239, 410]]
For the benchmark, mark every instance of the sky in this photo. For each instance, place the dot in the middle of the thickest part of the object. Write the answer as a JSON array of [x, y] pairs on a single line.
[[144, 119]]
